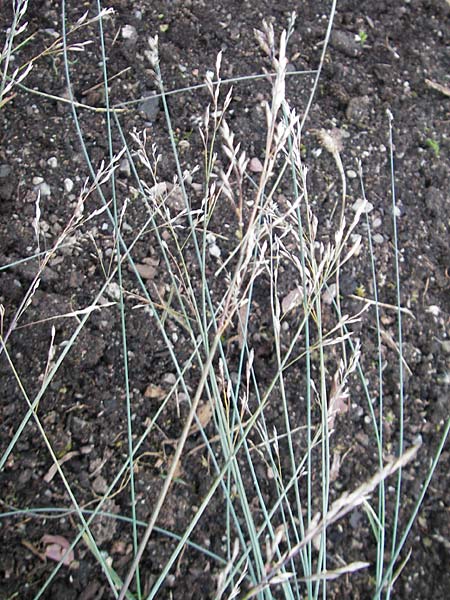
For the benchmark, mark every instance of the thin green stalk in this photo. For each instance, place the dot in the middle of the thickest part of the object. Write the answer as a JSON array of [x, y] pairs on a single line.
[[325, 452], [121, 298], [400, 341], [388, 572], [379, 437]]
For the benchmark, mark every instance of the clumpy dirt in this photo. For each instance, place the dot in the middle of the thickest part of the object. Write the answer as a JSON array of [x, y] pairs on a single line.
[[382, 55]]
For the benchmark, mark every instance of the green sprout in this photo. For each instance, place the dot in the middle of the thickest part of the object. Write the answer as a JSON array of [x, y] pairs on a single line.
[[434, 145], [361, 291], [362, 37]]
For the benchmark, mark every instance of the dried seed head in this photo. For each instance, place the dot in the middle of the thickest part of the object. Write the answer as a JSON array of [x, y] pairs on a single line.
[[332, 140], [152, 54]]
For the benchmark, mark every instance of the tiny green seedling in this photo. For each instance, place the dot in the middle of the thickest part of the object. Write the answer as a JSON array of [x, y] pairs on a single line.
[[434, 145], [362, 37], [361, 291]]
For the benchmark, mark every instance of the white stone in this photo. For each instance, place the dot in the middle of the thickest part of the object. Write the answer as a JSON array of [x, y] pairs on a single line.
[[169, 378], [44, 188], [376, 223], [113, 290], [378, 238], [434, 310], [357, 205], [129, 33], [52, 162], [68, 185], [215, 251]]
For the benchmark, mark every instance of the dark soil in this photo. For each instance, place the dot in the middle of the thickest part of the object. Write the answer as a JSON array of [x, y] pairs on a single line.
[[83, 410]]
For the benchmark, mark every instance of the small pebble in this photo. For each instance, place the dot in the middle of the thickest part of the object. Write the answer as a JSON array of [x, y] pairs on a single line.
[[376, 223], [215, 251], [378, 238], [129, 32], [124, 167], [52, 162], [37, 180], [68, 185], [5, 170], [351, 174], [255, 165], [149, 105], [45, 190], [99, 485], [445, 345], [434, 310], [357, 205], [112, 290]]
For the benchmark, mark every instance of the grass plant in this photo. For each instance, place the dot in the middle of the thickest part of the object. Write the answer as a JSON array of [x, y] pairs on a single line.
[[275, 530]]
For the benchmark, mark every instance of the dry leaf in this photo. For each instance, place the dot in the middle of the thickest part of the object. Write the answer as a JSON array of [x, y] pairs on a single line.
[[438, 87], [55, 548], [334, 471], [154, 391], [328, 575], [146, 271], [54, 468], [204, 414], [390, 342]]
